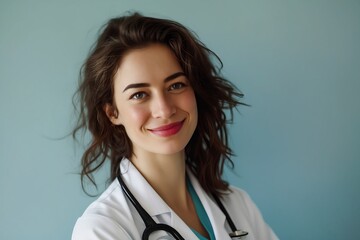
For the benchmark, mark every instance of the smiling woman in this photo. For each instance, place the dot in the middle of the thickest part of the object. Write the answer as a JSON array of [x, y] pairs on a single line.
[[155, 106], [154, 101]]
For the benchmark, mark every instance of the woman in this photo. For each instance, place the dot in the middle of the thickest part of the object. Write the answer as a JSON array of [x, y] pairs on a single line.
[[154, 104]]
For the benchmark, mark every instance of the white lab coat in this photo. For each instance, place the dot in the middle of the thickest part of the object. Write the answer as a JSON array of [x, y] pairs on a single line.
[[112, 216]]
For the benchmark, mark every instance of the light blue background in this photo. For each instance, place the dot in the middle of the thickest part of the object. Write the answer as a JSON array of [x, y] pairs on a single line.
[[298, 63]]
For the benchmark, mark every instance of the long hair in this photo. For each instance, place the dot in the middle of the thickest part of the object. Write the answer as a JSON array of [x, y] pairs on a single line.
[[207, 150]]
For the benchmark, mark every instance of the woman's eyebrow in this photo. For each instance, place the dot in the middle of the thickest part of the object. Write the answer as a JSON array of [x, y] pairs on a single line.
[[173, 76], [167, 79], [136, 85]]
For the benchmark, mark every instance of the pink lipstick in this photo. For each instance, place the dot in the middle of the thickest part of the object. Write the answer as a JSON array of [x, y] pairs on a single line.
[[167, 130]]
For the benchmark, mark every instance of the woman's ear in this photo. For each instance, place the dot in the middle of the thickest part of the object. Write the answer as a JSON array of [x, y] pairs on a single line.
[[112, 114]]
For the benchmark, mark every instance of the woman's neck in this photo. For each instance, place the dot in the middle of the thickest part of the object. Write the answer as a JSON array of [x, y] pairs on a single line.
[[167, 175]]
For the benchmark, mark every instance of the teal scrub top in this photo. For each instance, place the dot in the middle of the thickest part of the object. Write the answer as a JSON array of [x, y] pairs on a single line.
[[200, 210]]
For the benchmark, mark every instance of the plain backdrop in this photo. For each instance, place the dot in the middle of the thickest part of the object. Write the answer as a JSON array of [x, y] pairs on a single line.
[[297, 146]]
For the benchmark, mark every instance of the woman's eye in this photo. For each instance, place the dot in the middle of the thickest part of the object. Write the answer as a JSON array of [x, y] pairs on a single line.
[[177, 85], [138, 96]]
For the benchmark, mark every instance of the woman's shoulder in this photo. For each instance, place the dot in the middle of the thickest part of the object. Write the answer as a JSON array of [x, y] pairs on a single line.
[[240, 194], [239, 198], [96, 226], [104, 218], [107, 202]]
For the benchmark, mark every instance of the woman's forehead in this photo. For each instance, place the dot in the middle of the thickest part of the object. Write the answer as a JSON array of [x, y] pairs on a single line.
[[153, 61]]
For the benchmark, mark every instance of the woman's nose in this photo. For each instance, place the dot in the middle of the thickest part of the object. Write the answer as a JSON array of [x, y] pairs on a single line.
[[163, 107]]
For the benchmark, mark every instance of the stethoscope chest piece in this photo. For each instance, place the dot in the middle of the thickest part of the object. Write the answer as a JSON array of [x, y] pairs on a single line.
[[238, 234]]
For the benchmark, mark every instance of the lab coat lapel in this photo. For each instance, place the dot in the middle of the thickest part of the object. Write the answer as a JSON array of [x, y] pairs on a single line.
[[152, 202], [142, 190], [216, 216]]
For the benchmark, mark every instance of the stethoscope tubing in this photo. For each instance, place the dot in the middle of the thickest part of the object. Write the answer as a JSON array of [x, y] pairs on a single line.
[[228, 218], [151, 226]]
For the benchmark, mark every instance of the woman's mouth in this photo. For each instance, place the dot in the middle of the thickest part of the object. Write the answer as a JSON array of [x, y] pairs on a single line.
[[168, 130]]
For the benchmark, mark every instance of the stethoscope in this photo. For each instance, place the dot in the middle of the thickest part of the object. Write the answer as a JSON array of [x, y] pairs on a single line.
[[151, 226]]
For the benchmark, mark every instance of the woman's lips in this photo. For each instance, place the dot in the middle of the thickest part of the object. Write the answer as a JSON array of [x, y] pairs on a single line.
[[167, 130]]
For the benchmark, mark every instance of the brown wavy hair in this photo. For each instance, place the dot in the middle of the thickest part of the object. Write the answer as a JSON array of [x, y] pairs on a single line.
[[207, 150]]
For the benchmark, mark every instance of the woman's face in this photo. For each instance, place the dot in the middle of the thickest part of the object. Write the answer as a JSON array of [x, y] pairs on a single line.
[[155, 101]]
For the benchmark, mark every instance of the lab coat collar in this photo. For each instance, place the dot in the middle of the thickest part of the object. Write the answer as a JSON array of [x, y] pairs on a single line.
[[156, 206], [139, 187]]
